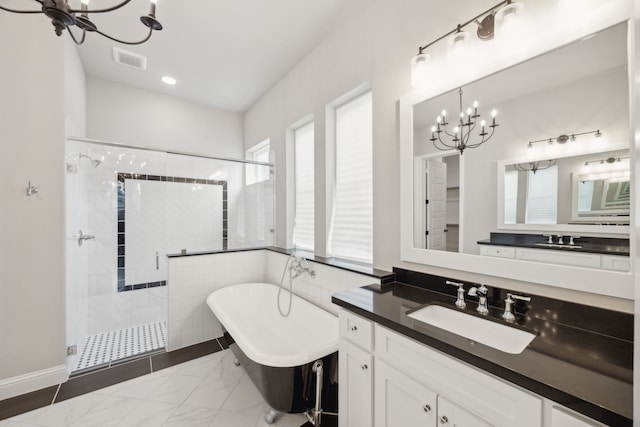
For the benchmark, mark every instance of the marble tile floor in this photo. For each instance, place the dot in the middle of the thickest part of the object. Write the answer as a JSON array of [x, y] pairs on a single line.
[[209, 391]]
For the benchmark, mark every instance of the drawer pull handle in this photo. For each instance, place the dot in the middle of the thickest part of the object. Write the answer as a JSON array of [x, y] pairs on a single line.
[[444, 420], [427, 408], [354, 328], [365, 367]]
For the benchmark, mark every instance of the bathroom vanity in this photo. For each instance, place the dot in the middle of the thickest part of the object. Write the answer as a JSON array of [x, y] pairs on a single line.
[[590, 252], [397, 370]]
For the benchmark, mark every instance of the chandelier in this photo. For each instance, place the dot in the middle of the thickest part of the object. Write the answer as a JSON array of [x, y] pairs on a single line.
[[63, 17], [536, 166], [460, 136]]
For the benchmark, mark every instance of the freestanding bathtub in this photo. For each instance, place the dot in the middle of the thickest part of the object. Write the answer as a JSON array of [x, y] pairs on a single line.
[[278, 352]]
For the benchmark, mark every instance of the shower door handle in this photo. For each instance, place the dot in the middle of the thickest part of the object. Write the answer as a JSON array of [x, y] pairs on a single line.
[[157, 261]]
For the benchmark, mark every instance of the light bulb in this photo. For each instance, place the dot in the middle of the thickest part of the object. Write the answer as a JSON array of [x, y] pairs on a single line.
[[84, 3], [154, 1], [438, 119], [494, 113], [433, 128], [444, 113], [469, 111], [461, 114], [475, 104], [456, 129], [482, 123]]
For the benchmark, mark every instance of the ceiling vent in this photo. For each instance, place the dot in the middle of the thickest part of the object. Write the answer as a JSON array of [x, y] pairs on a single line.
[[129, 59]]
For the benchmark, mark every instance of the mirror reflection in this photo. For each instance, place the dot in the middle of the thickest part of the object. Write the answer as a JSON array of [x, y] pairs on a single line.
[[586, 189], [558, 113]]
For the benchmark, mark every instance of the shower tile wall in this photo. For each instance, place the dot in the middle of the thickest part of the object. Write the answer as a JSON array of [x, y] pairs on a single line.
[[193, 278], [94, 304]]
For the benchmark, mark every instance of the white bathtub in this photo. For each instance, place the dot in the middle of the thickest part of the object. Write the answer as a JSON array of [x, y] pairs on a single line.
[[277, 352]]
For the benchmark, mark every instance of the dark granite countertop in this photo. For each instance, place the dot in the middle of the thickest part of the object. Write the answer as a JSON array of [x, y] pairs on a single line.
[[596, 245], [582, 356]]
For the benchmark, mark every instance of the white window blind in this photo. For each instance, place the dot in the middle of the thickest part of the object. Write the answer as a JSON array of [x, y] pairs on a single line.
[[542, 196], [351, 231], [510, 196], [303, 228]]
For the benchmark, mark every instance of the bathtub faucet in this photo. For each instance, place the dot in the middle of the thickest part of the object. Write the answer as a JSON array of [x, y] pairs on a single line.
[[299, 266]]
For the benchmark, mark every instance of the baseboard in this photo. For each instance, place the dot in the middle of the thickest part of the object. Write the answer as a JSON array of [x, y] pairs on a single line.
[[32, 381]]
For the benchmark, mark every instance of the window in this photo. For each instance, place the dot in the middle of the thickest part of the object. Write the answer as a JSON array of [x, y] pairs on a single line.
[[542, 196], [351, 230], [303, 228], [510, 196], [258, 153]]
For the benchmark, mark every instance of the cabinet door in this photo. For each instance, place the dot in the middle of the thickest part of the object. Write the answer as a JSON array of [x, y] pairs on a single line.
[[562, 417], [401, 401], [452, 415], [355, 393]]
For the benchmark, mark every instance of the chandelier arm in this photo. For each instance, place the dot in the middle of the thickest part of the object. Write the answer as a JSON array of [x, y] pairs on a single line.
[[126, 42], [493, 129], [73, 37], [448, 147], [109, 9], [22, 11], [444, 128]]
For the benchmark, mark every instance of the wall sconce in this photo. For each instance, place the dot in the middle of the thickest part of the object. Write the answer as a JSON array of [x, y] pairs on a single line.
[[562, 139], [458, 37]]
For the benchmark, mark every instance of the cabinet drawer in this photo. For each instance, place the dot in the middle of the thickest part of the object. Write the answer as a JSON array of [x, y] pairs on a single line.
[[498, 251], [617, 263], [356, 329], [564, 257]]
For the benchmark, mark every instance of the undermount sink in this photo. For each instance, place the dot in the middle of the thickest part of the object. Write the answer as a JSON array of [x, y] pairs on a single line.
[[496, 335]]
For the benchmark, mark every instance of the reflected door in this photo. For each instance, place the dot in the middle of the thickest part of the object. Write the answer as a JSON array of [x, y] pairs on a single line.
[[436, 184]]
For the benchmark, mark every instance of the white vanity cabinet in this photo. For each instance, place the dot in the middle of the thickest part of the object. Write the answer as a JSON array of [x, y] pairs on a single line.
[[410, 384], [562, 257], [355, 398]]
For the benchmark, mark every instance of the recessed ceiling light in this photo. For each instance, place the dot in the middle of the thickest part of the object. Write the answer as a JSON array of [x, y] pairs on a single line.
[[169, 80]]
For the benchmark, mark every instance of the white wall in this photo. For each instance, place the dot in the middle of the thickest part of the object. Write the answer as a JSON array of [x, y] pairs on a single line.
[[32, 325], [375, 45], [193, 278], [127, 115]]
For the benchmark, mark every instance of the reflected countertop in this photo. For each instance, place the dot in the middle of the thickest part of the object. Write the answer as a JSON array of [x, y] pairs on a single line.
[[597, 245], [581, 358]]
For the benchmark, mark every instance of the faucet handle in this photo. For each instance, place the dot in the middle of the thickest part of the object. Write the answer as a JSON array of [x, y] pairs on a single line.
[[508, 304], [460, 301], [550, 236], [560, 242]]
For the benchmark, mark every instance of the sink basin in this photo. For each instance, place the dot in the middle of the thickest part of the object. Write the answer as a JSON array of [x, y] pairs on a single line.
[[496, 335]]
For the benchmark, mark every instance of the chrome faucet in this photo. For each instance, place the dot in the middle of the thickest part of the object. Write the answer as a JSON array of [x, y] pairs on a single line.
[[481, 293], [460, 301], [508, 304], [300, 265]]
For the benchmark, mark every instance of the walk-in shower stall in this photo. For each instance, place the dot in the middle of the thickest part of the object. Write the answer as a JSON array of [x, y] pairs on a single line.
[[126, 209]]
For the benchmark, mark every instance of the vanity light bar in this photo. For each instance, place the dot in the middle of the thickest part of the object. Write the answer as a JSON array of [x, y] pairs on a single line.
[[561, 139], [608, 160]]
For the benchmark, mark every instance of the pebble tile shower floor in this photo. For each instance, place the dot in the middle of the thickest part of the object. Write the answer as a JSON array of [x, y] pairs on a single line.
[[104, 348]]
